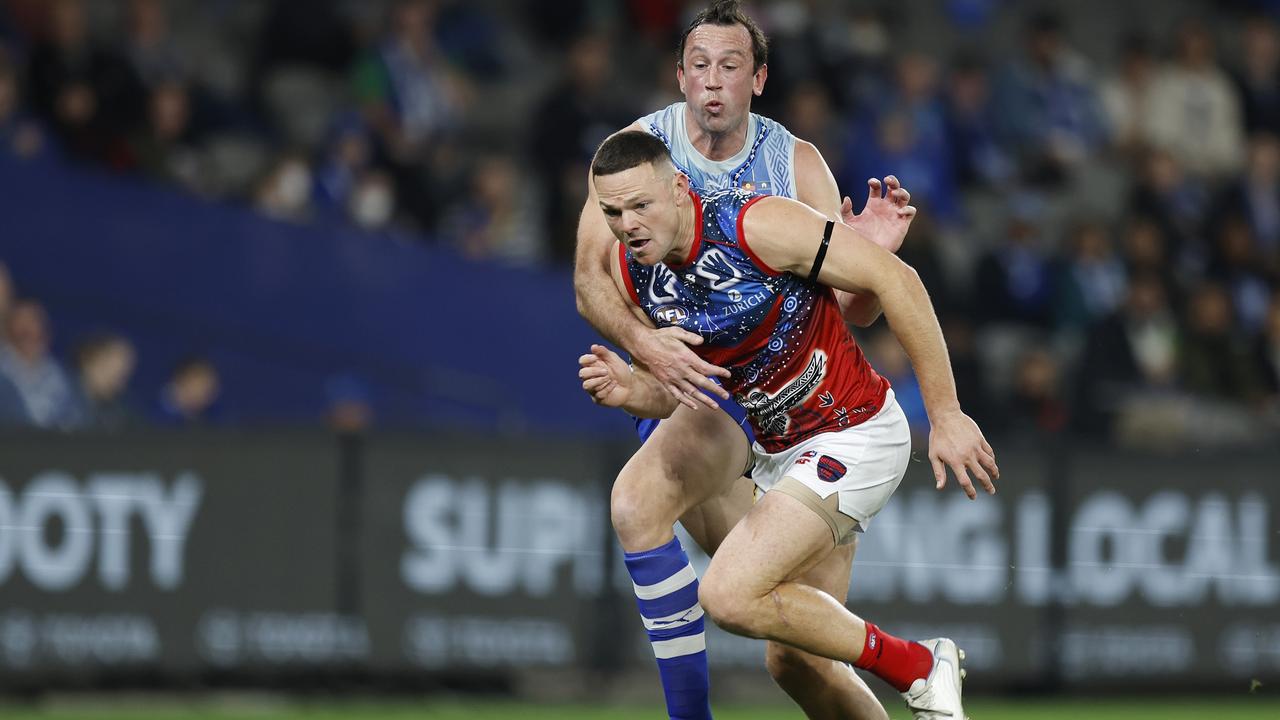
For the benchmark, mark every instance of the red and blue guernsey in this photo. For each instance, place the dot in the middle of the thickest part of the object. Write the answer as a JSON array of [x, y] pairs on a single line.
[[795, 369]]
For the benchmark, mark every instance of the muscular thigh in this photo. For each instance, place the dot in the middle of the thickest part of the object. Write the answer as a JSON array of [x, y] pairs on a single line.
[[779, 540], [710, 521], [831, 573], [693, 456]]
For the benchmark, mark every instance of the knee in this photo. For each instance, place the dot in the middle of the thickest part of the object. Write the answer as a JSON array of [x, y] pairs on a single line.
[[790, 667], [729, 609], [639, 515]]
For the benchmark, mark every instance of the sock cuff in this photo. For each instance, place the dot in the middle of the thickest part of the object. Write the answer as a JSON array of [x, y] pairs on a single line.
[[660, 551], [872, 646], [654, 567]]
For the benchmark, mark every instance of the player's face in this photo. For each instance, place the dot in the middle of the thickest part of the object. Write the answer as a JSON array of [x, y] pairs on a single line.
[[642, 211], [717, 78]]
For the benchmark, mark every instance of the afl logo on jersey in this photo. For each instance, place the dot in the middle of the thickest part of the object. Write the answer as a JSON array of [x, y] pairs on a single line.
[[669, 315]]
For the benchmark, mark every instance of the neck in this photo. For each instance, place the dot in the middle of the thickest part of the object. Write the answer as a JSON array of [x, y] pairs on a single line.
[[684, 236], [716, 146]]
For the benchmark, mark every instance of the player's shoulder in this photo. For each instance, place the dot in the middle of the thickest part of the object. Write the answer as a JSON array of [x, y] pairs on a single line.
[[775, 130], [775, 127], [661, 121], [730, 197]]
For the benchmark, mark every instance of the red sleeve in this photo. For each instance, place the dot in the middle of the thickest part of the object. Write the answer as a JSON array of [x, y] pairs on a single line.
[[626, 274], [742, 238]]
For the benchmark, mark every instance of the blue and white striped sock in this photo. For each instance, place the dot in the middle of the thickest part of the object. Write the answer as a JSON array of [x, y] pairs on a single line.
[[667, 593]]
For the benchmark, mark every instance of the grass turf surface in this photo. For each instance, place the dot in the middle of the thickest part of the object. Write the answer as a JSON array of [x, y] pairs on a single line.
[[1162, 708]]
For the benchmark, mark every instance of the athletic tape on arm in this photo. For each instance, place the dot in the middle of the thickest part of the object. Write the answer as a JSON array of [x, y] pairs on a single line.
[[822, 252]]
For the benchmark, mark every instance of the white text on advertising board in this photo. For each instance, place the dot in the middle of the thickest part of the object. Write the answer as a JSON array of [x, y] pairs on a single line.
[[95, 521]]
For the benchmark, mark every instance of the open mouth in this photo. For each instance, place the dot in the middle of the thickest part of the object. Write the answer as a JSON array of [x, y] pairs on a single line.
[[637, 243]]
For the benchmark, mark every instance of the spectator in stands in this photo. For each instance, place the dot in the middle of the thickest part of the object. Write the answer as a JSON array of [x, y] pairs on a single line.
[[372, 202], [1215, 363], [1015, 279], [864, 43], [88, 94], [1179, 204], [412, 98], [1238, 267], [25, 361], [1195, 112], [348, 153], [979, 157], [149, 46], [1146, 252], [1091, 281], [19, 134], [1126, 96], [906, 135], [1132, 352], [104, 365], [494, 220], [1256, 196], [1048, 104], [1258, 76], [190, 396], [285, 192], [167, 149], [408, 91], [1037, 406], [568, 124]]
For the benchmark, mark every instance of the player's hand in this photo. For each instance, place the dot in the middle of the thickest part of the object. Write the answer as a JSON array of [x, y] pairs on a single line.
[[666, 354], [887, 215], [605, 377], [956, 442]]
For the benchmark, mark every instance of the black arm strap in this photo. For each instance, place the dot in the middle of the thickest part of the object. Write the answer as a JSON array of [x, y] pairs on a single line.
[[822, 252]]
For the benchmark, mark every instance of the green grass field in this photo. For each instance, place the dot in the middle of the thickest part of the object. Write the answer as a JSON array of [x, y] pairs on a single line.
[[1253, 708]]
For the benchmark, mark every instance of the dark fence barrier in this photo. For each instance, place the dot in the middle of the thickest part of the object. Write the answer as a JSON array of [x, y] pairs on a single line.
[[268, 557]]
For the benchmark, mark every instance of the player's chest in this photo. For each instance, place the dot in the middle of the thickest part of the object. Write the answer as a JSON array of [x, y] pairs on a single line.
[[721, 296]]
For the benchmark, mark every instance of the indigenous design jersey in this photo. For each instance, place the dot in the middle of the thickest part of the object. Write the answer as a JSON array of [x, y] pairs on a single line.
[[795, 369], [764, 165]]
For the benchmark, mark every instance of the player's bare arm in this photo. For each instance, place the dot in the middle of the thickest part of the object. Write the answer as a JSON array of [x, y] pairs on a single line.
[[886, 203], [665, 351], [612, 383], [785, 235]]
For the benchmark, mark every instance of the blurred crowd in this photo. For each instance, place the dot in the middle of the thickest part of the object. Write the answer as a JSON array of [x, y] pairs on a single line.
[[1100, 229], [92, 392]]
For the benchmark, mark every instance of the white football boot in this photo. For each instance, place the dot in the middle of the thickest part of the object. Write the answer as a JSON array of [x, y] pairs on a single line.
[[937, 697]]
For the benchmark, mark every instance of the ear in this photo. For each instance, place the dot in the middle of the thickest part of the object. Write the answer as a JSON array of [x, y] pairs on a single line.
[[680, 76], [757, 82], [681, 185]]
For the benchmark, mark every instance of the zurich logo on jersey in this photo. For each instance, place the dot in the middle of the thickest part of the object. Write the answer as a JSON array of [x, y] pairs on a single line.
[[670, 315]]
